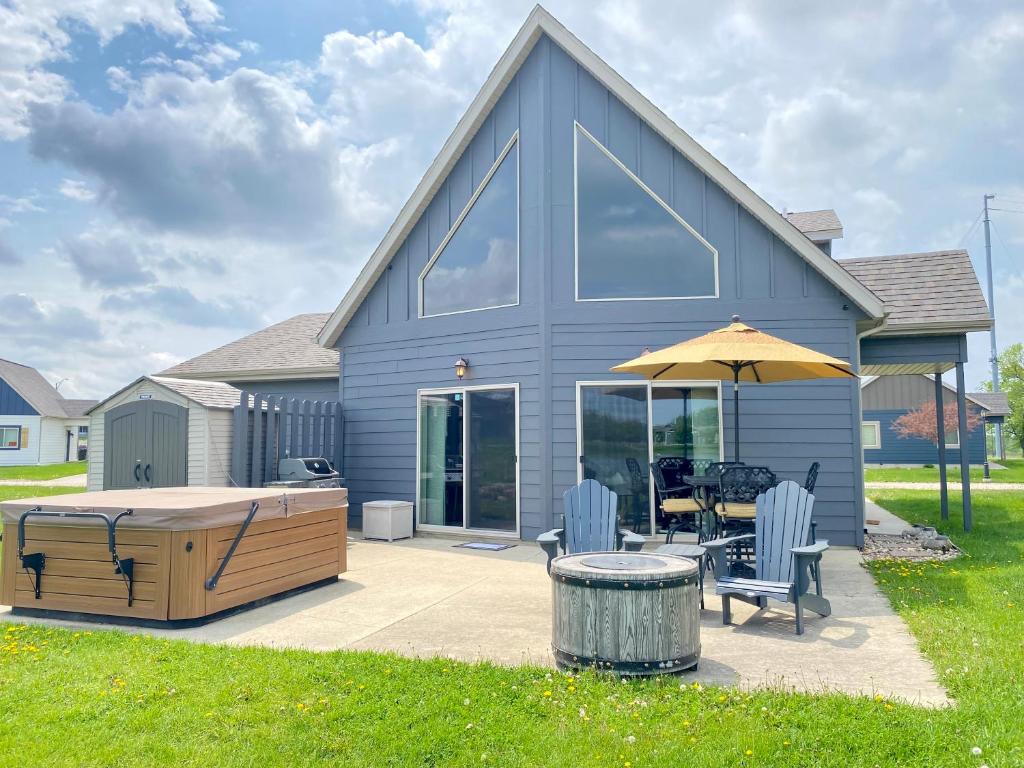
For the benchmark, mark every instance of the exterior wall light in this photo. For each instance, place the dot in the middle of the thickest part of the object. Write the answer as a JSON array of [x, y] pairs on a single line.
[[461, 366]]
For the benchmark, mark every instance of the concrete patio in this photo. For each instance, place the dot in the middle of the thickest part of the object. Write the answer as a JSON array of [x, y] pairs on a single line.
[[426, 597]]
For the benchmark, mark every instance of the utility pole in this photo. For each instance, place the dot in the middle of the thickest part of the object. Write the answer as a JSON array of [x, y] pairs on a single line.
[[993, 349]]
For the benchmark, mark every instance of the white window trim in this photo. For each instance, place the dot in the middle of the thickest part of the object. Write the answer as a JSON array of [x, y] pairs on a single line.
[[579, 129], [650, 385], [954, 446], [877, 427], [17, 446], [458, 222], [464, 530]]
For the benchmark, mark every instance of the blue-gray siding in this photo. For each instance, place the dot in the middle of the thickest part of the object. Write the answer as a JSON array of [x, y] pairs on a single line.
[[914, 450], [549, 342], [13, 404]]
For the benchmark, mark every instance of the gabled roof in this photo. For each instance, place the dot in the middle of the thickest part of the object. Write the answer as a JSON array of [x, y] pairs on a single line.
[[996, 403], [285, 350], [541, 22], [932, 292], [210, 394], [978, 398], [39, 393], [817, 225]]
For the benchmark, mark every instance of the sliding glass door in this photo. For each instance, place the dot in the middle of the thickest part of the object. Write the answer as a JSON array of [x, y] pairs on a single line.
[[468, 454], [625, 427]]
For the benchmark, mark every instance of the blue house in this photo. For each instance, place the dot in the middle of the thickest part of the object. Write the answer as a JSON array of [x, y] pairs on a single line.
[[566, 225], [884, 399]]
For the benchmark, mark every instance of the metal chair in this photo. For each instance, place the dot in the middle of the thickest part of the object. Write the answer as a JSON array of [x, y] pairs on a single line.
[[739, 487], [812, 477], [638, 483], [675, 496]]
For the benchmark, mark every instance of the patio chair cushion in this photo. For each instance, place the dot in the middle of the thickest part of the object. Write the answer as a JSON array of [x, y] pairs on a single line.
[[737, 510], [675, 506]]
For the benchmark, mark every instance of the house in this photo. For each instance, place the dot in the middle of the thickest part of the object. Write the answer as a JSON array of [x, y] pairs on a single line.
[[884, 399], [37, 424], [566, 225], [283, 360]]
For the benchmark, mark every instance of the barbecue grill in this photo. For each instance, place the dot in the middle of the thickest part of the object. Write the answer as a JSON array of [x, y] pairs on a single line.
[[316, 472]]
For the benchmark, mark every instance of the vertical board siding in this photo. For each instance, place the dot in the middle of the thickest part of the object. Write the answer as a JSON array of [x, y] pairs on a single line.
[[13, 404], [549, 342]]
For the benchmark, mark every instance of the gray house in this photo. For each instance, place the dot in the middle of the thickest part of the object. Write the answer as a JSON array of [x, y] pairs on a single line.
[[566, 225], [283, 359]]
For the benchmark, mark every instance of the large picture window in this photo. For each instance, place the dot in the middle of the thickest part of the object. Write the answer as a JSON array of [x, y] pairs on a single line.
[[629, 243], [477, 264], [10, 438]]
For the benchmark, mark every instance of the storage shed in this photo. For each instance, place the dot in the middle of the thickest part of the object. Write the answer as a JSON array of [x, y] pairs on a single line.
[[162, 432]]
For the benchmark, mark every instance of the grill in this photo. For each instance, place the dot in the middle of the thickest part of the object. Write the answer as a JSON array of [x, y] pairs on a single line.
[[316, 472]]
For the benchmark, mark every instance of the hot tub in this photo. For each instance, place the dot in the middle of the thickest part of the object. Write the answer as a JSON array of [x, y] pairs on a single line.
[[178, 556]]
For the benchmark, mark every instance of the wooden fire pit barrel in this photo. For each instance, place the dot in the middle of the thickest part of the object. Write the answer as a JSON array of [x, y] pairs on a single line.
[[627, 613]]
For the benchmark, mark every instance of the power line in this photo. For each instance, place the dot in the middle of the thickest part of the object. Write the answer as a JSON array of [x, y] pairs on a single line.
[[1005, 210], [968, 233]]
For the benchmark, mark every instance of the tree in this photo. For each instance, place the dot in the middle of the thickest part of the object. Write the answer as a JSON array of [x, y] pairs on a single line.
[[920, 422], [1011, 381]]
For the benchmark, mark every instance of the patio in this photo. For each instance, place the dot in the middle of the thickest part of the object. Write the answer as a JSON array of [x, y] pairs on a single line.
[[425, 597]]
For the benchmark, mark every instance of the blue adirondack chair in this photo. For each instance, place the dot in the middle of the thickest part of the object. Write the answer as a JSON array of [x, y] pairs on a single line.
[[784, 562], [590, 524]]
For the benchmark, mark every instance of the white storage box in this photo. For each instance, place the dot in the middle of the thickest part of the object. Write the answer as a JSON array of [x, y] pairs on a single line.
[[387, 520]]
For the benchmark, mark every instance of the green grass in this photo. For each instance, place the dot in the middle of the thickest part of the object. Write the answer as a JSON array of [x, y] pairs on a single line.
[[101, 698], [44, 472], [1014, 473], [12, 492]]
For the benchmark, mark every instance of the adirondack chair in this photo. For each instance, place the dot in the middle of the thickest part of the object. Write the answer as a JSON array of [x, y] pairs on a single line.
[[782, 556], [590, 524]]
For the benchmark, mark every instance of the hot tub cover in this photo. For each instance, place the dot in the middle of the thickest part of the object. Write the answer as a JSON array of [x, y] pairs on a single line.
[[180, 509]]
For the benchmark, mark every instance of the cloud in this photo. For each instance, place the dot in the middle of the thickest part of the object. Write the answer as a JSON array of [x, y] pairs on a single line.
[[27, 321], [76, 190], [106, 259], [242, 154], [8, 256], [34, 34], [24, 204], [181, 306]]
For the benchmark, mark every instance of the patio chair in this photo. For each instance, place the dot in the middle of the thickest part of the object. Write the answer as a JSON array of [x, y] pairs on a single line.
[[812, 477], [590, 524], [782, 557], [675, 497], [638, 485]]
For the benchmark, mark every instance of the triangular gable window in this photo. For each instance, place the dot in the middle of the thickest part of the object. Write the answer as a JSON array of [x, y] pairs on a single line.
[[477, 264], [629, 243]]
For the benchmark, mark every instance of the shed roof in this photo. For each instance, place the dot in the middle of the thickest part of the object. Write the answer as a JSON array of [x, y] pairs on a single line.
[[39, 393], [285, 350], [539, 23], [817, 225], [210, 394], [931, 292], [996, 403]]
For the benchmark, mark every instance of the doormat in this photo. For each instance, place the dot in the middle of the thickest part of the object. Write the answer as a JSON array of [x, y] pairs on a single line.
[[484, 545]]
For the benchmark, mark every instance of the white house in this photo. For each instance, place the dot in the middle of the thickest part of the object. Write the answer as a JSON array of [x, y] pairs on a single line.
[[37, 424]]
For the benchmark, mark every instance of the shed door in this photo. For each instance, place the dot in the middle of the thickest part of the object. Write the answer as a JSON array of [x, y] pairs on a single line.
[[145, 445]]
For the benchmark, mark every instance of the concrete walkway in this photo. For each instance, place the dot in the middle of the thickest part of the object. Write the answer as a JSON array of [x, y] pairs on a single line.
[[976, 485], [425, 598], [71, 481]]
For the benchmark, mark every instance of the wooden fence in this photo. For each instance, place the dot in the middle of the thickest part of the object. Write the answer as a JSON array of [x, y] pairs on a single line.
[[268, 428]]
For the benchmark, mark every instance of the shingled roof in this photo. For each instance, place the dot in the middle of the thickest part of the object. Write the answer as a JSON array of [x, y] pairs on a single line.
[[39, 393], [817, 225], [996, 403], [285, 350], [932, 291]]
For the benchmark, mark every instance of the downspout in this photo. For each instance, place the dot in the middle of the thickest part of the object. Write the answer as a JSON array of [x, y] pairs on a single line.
[[859, 501]]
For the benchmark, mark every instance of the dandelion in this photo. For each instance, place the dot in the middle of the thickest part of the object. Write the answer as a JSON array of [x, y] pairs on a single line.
[[630, 739], [572, 689], [976, 751], [547, 694], [583, 712], [469, 726], [465, 702], [749, 753]]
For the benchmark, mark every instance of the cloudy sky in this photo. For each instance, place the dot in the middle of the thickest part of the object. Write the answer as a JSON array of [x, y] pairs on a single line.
[[177, 173]]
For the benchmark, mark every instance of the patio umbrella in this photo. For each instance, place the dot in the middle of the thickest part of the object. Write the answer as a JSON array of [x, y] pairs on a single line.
[[737, 353]]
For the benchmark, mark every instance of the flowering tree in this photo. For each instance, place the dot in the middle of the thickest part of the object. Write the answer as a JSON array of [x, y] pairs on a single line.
[[920, 422]]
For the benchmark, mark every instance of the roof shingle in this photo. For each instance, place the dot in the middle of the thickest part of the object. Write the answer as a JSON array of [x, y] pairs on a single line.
[[288, 345], [39, 393], [997, 403], [938, 288], [813, 223]]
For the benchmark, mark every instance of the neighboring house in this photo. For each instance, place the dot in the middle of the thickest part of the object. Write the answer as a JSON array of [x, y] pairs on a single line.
[[566, 225], [885, 398], [283, 359], [37, 424]]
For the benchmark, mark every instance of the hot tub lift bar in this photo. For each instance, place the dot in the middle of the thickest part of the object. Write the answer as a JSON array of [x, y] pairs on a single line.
[[36, 561]]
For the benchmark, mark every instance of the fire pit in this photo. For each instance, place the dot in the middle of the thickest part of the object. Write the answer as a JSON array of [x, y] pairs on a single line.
[[627, 613]]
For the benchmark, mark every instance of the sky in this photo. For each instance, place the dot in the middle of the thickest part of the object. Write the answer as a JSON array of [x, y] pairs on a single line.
[[175, 174]]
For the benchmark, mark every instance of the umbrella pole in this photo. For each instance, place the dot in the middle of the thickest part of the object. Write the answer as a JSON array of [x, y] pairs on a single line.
[[736, 412]]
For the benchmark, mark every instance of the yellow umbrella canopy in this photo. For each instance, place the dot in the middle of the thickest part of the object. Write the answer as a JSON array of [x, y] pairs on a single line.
[[737, 353]]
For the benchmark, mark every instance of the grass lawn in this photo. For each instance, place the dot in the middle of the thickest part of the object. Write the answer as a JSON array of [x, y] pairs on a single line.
[[1014, 473], [100, 698], [44, 472], [11, 492]]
